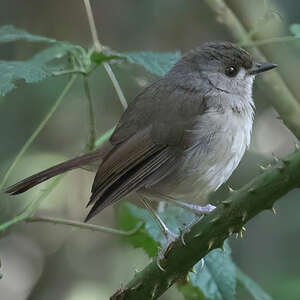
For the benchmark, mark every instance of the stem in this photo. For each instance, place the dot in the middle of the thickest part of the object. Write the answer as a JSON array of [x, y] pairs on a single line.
[[211, 231], [104, 137], [84, 225], [99, 47], [92, 24], [38, 130], [116, 85], [92, 135], [281, 97], [274, 40]]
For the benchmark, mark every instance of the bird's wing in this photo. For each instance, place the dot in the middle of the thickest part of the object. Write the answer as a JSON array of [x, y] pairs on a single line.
[[128, 168], [148, 142]]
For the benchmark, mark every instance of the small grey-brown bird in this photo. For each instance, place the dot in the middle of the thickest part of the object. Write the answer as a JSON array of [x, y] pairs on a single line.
[[181, 137]]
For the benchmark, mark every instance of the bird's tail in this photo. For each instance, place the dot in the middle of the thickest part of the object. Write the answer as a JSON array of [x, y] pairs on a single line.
[[74, 163]]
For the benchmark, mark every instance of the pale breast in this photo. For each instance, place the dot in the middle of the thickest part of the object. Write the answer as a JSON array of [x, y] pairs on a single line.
[[220, 140]]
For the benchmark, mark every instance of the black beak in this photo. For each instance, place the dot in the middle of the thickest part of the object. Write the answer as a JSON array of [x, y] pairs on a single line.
[[261, 67]]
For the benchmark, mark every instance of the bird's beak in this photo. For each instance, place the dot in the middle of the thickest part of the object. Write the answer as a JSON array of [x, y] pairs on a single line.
[[261, 67]]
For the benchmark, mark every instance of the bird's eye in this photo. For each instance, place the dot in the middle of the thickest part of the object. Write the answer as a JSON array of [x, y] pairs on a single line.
[[231, 71]]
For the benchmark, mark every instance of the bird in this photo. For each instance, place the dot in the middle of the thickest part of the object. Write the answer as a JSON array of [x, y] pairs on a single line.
[[179, 139]]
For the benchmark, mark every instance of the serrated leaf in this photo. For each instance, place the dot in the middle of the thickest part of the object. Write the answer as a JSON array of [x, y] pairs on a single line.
[[252, 287], [217, 279], [128, 215], [8, 33], [156, 63], [33, 70]]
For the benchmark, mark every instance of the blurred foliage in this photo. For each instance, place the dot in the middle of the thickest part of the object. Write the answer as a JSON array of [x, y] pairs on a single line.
[[42, 262]]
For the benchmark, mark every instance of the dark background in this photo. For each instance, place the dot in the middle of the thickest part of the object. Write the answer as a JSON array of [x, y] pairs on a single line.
[[45, 261]]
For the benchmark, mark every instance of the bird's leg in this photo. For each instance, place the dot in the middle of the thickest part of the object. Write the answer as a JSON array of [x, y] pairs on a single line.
[[169, 235], [197, 209]]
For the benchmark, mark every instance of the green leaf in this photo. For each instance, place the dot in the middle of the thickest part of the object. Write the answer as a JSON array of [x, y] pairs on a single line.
[[156, 63], [100, 57], [191, 292], [216, 280], [105, 137], [128, 215], [33, 70], [9, 33], [253, 288]]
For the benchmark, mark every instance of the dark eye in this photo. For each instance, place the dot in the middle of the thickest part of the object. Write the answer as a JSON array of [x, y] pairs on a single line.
[[231, 71]]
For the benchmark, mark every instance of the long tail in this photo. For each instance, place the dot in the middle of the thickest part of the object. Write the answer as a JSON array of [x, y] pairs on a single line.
[[74, 163]]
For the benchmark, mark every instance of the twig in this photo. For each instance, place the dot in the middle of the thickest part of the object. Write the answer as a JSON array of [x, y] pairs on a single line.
[[211, 231], [84, 225], [38, 130], [280, 96], [92, 135], [99, 47], [274, 40]]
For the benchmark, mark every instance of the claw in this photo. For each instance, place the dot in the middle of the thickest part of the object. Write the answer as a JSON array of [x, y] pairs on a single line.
[[202, 263], [183, 232], [159, 265]]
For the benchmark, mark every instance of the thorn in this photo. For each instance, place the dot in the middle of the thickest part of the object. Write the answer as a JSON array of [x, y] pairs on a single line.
[[251, 190], [236, 235], [285, 161], [210, 244], [170, 282], [274, 211], [262, 168], [244, 228], [231, 190], [187, 278], [136, 286], [241, 234], [223, 247], [244, 216], [214, 219], [276, 159], [182, 238], [197, 234], [158, 262], [226, 202], [154, 292]]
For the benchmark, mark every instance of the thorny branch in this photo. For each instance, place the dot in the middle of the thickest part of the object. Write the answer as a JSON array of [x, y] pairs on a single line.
[[229, 217]]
